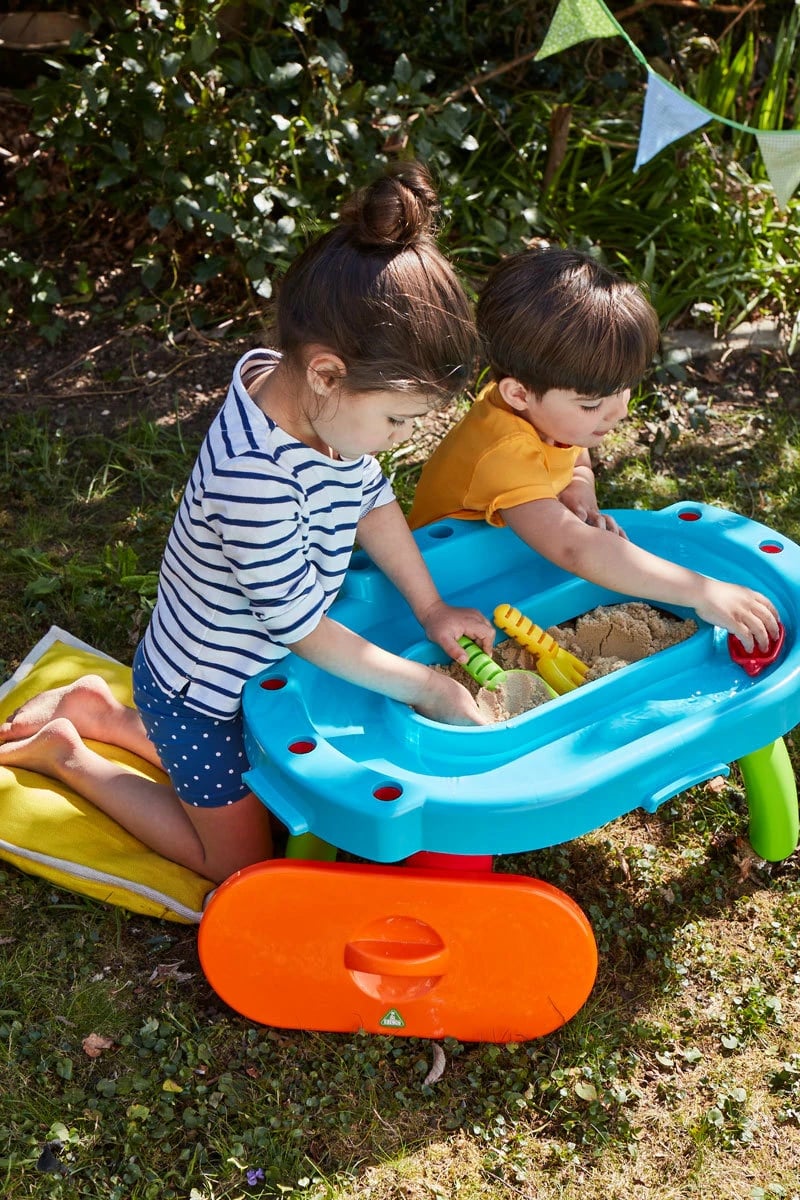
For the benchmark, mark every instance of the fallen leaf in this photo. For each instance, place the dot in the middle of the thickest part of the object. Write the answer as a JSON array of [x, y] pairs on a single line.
[[746, 860], [439, 1063], [95, 1044], [166, 971]]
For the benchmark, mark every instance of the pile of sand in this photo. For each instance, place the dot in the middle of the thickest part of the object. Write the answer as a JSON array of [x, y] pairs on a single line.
[[523, 690], [606, 639], [611, 637]]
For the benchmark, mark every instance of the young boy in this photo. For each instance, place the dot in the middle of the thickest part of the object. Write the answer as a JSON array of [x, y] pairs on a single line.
[[566, 340]]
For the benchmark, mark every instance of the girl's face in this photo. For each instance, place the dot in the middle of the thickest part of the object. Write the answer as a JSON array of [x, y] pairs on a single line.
[[353, 424], [571, 419]]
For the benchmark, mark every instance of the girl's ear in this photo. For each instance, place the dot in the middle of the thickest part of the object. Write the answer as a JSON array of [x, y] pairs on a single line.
[[325, 372], [514, 393]]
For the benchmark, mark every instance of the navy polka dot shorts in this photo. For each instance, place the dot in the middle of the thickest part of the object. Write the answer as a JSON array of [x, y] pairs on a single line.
[[203, 756]]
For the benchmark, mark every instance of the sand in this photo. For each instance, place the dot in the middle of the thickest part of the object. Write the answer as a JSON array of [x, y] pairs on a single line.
[[611, 637], [606, 639]]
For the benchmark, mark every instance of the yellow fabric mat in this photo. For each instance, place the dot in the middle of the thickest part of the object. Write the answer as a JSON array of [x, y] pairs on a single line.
[[47, 830]]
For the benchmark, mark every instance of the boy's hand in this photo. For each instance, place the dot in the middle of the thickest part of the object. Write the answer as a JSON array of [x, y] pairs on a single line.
[[743, 612], [444, 625], [579, 498]]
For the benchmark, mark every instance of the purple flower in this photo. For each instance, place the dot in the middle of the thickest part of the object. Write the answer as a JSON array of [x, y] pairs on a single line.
[[254, 1175]]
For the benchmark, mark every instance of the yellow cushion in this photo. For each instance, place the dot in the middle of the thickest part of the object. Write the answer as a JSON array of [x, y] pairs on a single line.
[[48, 830]]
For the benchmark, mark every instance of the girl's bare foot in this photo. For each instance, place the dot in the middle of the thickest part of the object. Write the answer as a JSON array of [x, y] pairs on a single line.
[[49, 751], [88, 703]]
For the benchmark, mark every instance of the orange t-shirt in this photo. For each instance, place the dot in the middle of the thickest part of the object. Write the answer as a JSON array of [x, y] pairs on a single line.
[[491, 460]]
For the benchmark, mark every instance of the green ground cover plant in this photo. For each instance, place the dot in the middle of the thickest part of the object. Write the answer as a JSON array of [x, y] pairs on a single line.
[[134, 267], [122, 1075]]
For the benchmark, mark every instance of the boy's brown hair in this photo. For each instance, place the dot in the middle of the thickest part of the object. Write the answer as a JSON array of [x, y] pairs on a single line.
[[556, 318]]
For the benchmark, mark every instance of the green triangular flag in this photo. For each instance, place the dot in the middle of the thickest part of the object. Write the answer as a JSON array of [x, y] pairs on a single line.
[[575, 21], [781, 153]]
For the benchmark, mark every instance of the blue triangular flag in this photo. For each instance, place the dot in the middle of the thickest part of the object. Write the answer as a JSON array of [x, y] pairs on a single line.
[[667, 115]]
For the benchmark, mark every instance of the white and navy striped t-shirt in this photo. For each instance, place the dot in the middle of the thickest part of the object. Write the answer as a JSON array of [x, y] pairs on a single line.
[[257, 552]]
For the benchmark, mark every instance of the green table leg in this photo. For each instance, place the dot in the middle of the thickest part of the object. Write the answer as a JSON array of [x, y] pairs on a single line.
[[309, 846], [772, 800]]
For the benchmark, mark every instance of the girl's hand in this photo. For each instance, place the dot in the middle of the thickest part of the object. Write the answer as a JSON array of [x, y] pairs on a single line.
[[448, 701], [444, 625], [743, 612]]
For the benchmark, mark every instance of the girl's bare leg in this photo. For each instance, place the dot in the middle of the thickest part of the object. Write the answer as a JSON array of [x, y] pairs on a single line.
[[214, 842], [93, 710]]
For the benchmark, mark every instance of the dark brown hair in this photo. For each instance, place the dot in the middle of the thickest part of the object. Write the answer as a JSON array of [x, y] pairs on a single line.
[[555, 318], [378, 292]]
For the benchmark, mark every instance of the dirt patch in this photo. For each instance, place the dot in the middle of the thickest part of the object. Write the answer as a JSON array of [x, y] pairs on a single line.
[[102, 374]]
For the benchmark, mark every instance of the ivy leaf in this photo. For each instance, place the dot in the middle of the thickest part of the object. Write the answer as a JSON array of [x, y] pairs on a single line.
[[402, 69], [284, 74], [110, 175], [159, 216], [335, 58], [202, 46], [41, 587]]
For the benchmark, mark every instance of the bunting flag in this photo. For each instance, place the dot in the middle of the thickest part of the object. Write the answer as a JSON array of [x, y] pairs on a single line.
[[575, 21], [668, 114], [781, 154]]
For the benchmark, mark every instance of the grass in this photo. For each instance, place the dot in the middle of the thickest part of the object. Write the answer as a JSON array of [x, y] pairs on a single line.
[[679, 1078]]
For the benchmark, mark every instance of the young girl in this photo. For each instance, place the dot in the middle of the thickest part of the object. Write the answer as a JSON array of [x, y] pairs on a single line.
[[373, 330]]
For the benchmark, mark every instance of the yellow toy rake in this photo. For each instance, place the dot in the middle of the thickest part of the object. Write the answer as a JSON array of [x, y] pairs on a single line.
[[557, 667]]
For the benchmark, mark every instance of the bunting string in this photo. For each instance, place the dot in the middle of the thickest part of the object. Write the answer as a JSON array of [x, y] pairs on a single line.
[[668, 113]]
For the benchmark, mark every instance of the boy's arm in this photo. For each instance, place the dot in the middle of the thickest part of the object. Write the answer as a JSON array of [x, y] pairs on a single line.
[[580, 497], [613, 562], [384, 534]]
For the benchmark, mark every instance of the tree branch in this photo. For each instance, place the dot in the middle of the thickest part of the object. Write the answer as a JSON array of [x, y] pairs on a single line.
[[688, 5]]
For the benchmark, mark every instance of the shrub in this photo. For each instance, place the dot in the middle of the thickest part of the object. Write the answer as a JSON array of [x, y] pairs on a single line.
[[210, 140]]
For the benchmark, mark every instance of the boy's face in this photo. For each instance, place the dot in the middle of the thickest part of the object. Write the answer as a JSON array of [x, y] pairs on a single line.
[[575, 420]]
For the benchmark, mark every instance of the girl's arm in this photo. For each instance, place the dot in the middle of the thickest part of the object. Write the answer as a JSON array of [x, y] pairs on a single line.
[[613, 562], [346, 654], [388, 541]]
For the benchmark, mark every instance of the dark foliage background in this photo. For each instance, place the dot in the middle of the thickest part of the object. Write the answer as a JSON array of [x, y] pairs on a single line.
[[200, 143]]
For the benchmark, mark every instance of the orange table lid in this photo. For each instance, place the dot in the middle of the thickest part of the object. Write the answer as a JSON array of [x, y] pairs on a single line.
[[385, 949]]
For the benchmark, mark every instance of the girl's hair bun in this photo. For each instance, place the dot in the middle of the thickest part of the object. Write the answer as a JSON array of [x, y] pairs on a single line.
[[377, 291], [397, 210]]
